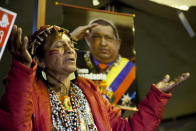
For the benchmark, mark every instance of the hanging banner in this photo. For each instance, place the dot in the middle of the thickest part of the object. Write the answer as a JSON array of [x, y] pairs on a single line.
[[7, 19]]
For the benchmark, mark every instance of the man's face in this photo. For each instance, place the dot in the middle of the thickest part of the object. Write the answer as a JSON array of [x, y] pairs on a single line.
[[103, 44], [60, 56]]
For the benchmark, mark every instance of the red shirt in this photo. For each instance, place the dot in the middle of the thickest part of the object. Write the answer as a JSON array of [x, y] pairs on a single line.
[[25, 106]]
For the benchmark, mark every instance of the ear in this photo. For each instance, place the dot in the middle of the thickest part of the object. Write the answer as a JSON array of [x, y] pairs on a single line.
[[40, 62]]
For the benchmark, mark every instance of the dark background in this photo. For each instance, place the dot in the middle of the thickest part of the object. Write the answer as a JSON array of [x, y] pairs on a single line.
[[162, 46]]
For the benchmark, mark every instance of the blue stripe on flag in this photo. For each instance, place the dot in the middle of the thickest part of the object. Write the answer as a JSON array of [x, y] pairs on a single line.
[[119, 79]]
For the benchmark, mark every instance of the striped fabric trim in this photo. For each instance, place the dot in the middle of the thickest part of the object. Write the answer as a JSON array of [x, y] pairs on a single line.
[[120, 78], [115, 71], [125, 85]]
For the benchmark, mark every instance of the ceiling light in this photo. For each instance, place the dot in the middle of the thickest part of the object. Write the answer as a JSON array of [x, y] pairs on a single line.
[[178, 4], [186, 24], [96, 2]]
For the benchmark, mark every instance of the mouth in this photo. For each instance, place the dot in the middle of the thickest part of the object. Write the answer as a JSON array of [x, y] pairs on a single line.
[[70, 59], [104, 50]]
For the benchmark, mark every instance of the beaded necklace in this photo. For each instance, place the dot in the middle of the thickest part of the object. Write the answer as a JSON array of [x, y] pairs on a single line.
[[64, 119], [92, 68]]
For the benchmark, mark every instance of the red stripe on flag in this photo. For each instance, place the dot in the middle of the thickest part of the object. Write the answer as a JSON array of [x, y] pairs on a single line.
[[125, 85]]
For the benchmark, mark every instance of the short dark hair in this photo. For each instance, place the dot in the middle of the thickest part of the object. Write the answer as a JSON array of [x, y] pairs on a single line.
[[105, 22]]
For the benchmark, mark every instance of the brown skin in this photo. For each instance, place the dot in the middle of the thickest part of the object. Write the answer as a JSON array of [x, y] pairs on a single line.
[[80, 32], [60, 60], [18, 47], [167, 86], [96, 45], [101, 40], [103, 44], [59, 51]]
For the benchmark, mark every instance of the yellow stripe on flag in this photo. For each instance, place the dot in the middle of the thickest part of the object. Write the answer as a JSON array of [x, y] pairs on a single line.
[[116, 69]]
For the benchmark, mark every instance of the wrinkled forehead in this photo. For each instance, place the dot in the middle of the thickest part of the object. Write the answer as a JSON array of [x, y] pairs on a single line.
[[57, 36]]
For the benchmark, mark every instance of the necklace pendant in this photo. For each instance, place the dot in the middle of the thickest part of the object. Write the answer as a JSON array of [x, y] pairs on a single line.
[[67, 103]]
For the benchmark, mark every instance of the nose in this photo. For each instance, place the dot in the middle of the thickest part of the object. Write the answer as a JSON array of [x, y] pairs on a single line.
[[103, 41], [68, 50]]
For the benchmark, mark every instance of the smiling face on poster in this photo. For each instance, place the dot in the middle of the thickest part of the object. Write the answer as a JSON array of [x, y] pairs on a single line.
[[7, 19]]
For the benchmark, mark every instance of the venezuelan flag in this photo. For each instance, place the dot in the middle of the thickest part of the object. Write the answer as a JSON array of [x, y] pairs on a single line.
[[121, 77]]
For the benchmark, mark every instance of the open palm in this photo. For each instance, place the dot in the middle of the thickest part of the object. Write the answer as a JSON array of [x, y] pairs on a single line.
[[166, 85], [18, 47]]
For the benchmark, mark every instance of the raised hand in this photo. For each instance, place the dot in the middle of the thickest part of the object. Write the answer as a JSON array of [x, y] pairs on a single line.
[[166, 86], [80, 32], [18, 47]]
